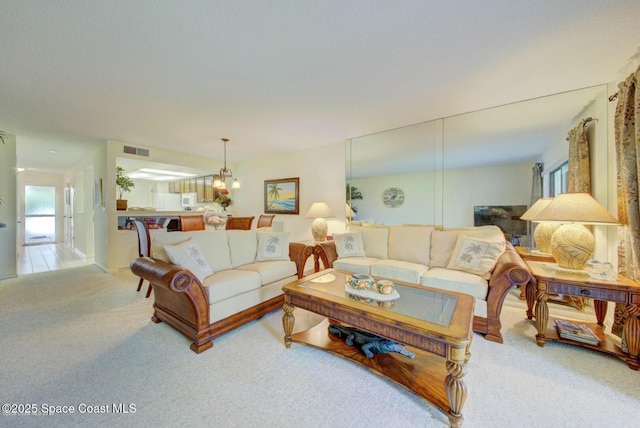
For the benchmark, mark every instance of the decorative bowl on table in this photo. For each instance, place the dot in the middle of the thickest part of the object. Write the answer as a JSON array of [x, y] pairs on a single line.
[[386, 287], [360, 281]]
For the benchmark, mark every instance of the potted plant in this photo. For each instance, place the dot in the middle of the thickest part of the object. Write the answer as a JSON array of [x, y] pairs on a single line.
[[223, 199], [125, 184]]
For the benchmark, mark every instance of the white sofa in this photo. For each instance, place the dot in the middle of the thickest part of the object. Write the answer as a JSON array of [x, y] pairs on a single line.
[[477, 261], [207, 283]]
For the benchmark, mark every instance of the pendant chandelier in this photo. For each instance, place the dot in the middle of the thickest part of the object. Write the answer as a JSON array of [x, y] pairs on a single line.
[[220, 180]]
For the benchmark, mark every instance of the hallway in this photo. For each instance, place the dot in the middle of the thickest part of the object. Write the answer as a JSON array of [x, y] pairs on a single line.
[[48, 257]]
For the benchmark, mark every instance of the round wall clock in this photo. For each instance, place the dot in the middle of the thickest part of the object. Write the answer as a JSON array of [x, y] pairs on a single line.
[[393, 197]]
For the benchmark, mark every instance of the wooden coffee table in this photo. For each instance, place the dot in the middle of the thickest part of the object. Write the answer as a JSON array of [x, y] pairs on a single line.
[[434, 324]]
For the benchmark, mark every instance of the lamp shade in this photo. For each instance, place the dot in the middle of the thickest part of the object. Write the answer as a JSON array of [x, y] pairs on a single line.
[[579, 208], [319, 210], [535, 209]]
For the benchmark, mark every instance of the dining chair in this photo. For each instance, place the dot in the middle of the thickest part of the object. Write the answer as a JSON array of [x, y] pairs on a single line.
[[241, 223], [189, 223], [265, 220], [144, 246]]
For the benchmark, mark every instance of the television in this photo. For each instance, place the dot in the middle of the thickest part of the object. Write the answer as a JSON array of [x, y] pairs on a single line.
[[506, 217]]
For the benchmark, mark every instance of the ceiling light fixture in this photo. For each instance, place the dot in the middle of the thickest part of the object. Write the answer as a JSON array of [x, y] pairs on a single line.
[[220, 181]]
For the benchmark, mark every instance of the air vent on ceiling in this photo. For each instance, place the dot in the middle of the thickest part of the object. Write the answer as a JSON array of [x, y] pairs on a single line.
[[136, 151]]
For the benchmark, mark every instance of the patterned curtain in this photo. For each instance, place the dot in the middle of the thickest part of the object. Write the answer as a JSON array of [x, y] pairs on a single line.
[[536, 193], [627, 134], [579, 174]]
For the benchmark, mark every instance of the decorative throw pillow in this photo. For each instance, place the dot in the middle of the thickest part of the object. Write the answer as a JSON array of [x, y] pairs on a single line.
[[189, 255], [475, 255], [349, 244], [272, 246]]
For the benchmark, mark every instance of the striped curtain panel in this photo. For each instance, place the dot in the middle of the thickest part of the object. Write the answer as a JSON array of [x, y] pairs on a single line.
[[536, 193], [579, 173], [627, 142]]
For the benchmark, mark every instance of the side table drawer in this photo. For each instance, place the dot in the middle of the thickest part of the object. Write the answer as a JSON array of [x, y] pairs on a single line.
[[589, 292]]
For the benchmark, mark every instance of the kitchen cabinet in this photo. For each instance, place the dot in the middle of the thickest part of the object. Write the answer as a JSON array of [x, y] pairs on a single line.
[[208, 188], [175, 187], [200, 190]]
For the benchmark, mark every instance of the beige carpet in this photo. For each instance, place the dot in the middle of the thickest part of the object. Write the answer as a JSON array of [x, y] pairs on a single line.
[[81, 337]]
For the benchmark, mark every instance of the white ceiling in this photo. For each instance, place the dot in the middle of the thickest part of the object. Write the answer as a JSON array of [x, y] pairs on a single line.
[[284, 75]]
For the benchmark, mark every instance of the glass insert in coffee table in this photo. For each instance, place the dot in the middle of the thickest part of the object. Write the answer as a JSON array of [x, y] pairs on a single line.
[[430, 305]]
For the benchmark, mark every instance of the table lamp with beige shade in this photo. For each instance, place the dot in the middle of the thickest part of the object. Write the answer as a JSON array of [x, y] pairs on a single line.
[[544, 230], [319, 229], [572, 244]]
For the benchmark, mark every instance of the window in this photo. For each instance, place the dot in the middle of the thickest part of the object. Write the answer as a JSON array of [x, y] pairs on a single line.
[[558, 180]]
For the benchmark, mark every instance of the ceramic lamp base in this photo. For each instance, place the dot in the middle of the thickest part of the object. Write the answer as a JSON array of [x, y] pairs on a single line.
[[319, 230], [572, 246], [542, 236]]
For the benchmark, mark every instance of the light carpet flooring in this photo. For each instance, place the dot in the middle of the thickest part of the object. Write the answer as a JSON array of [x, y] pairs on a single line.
[[80, 336]]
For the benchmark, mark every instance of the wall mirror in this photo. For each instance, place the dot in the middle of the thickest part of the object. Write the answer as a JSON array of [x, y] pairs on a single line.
[[395, 172], [448, 166]]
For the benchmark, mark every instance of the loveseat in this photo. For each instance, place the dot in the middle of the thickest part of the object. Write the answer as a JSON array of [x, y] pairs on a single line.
[[478, 261], [206, 283]]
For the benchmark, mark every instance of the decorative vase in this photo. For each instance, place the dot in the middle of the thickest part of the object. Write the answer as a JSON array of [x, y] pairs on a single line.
[[121, 204]]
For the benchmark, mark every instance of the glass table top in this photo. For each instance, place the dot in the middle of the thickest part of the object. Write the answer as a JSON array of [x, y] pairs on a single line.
[[424, 304]]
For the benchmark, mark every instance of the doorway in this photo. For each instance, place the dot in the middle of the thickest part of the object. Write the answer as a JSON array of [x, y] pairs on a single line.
[[39, 215]]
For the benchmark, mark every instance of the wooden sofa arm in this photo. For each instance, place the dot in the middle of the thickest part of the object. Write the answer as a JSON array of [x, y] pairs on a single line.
[[510, 271], [299, 253], [177, 292], [325, 252]]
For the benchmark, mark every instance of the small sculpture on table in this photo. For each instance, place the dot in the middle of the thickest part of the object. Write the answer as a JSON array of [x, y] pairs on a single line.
[[368, 343], [217, 221]]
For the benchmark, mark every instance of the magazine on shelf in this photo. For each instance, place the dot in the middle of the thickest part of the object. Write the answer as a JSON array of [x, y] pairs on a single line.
[[577, 332]]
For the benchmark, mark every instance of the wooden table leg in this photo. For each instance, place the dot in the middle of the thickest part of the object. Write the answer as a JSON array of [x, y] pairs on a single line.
[[542, 316], [600, 307], [530, 292], [455, 385], [287, 323], [631, 335]]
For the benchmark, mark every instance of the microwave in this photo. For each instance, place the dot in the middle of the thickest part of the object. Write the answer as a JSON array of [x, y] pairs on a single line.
[[188, 200]]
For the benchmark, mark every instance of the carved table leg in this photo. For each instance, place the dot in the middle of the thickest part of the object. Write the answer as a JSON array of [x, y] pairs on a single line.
[[287, 323], [455, 385], [600, 307], [467, 350], [542, 316], [530, 293], [631, 334]]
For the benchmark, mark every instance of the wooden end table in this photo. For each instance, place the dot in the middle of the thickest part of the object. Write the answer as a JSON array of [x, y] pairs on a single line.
[[622, 290], [436, 325], [528, 293]]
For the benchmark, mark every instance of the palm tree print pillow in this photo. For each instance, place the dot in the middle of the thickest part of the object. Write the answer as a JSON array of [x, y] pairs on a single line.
[[476, 255]]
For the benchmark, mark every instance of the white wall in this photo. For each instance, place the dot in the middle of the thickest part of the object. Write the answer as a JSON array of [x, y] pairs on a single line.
[[322, 178], [8, 180], [498, 185], [89, 220]]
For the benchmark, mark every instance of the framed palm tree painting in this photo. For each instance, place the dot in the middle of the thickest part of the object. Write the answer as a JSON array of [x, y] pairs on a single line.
[[281, 196]]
